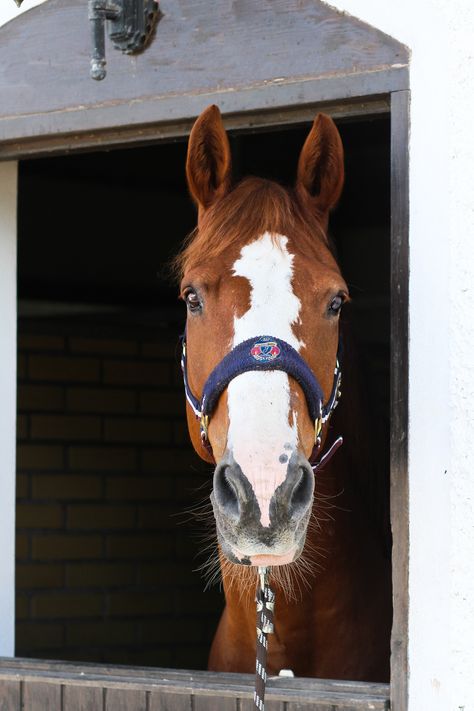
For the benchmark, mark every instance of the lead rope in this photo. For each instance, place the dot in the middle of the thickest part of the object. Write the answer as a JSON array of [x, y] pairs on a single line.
[[265, 599]]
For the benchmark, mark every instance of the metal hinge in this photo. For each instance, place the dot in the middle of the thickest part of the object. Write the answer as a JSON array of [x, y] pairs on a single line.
[[131, 24]]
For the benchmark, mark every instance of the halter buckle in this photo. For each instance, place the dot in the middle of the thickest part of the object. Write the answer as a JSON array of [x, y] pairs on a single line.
[[318, 426], [204, 426]]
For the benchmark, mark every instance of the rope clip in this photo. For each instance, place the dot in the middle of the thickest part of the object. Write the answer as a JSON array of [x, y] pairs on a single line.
[[263, 575]]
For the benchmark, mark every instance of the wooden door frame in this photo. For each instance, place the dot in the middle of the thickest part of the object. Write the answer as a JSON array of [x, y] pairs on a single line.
[[399, 344]]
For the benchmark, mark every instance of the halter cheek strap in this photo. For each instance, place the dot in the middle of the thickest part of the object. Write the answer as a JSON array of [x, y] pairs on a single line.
[[265, 353]]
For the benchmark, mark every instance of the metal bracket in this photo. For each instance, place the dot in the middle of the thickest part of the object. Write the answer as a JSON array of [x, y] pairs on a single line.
[[131, 24]]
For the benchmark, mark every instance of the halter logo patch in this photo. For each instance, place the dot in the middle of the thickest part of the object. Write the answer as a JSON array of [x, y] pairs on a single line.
[[265, 351]]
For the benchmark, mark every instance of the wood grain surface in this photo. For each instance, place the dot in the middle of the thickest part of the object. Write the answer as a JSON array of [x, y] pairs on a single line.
[[30, 685], [243, 55]]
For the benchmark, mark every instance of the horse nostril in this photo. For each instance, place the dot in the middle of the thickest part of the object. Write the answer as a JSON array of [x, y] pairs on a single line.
[[226, 490], [302, 493]]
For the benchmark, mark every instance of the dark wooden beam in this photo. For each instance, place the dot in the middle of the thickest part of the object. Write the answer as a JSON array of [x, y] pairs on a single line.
[[399, 398], [129, 135]]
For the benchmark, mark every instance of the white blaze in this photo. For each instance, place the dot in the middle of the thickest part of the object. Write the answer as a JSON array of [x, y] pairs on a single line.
[[259, 402]]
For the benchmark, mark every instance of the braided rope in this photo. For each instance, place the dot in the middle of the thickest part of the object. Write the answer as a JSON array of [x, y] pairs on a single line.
[[265, 599]]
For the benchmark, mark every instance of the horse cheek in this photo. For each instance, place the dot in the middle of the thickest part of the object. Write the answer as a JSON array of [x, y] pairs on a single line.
[[195, 436]]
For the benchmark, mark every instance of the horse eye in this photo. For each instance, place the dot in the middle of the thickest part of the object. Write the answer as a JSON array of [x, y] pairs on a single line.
[[193, 301], [336, 305]]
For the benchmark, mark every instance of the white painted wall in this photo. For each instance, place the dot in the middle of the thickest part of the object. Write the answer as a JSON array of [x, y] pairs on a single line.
[[9, 9], [8, 196], [441, 451], [8, 202], [440, 35]]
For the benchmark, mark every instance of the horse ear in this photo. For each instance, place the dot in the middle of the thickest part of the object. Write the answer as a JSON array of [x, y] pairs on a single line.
[[208, 165], [321, 164]]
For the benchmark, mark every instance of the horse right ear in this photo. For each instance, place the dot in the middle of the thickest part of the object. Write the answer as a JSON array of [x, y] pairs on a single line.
[[208, 165], [321, 165]]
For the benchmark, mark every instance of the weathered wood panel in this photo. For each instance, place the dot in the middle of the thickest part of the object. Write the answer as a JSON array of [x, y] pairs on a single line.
[[204, 702], [161, 701], [82, 698], [246, 56], [272, 705], [125, 700], [41, 695], [131, 135], [10, 698], [60, 686]]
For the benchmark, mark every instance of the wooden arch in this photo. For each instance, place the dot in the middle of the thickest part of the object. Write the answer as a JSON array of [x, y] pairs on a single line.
[[246, 56]]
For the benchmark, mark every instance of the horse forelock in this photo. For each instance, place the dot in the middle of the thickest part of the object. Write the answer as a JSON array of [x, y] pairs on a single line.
[[253, 207]]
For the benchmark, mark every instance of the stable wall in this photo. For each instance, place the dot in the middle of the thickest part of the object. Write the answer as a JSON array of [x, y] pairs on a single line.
[[105, 474], [441, 592], [441, 391]]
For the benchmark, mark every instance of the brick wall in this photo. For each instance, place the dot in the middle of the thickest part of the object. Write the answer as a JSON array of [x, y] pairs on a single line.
[[104, 564]]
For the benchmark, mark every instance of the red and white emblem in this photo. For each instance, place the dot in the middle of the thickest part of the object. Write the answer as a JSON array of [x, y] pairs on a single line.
[[265, 351]]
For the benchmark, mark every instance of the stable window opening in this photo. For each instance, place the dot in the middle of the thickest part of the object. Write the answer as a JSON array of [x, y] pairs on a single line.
[[107, 482]]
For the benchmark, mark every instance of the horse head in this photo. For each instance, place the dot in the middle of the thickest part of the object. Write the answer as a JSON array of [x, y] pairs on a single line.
[[259, 270]]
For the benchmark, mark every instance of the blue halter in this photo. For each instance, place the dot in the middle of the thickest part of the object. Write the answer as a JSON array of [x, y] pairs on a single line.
[[265, 353]]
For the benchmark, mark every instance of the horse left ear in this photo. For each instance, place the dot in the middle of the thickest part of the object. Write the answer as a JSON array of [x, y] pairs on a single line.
[[321, 165], [208, 165]]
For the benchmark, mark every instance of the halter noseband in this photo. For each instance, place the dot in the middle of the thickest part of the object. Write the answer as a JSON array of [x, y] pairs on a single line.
[[265, 353]]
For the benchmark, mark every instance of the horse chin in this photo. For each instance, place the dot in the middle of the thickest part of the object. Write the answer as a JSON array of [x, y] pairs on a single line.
[[274, 560], [260, 559]]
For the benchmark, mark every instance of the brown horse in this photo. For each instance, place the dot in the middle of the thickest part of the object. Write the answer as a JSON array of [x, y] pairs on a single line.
[[260, 262]]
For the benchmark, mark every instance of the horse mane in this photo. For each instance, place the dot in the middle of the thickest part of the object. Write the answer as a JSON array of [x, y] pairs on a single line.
[[252, 207]]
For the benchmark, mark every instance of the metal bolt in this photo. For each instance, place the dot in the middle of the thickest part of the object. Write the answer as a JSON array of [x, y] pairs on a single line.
[[98, 71]]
